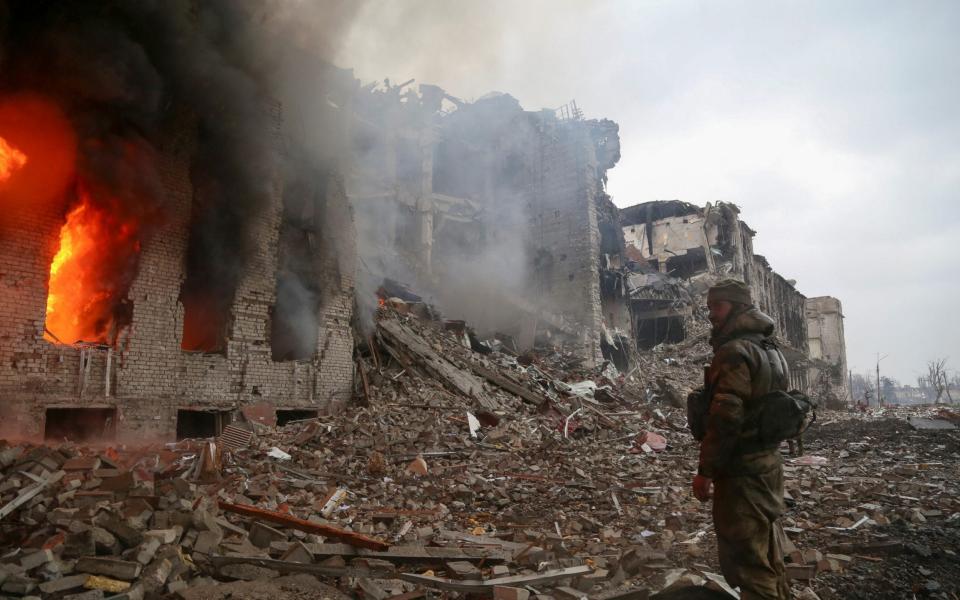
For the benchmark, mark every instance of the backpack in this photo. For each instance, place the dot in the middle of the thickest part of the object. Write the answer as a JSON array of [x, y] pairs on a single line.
[[784, 416]]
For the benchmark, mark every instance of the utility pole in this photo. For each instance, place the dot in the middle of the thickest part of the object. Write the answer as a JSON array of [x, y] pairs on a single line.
[[879, 395], [853, 401]]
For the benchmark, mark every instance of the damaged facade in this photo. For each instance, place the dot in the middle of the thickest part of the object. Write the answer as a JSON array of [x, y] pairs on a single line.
[[250, 256], [828, 350], [497, 215], [146, 384], [676, 250], [174, 249]]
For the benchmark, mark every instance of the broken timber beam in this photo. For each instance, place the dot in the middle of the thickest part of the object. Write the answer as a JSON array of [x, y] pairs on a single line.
[[350, 537], [284, 566], [507, 384], [412, 554], [485, 586], [27, 494], [884, 547], [483, 541], [454, 378]]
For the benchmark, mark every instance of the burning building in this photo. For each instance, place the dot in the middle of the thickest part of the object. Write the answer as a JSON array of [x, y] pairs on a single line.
[[174, 249], [179, 229], [193, 203]]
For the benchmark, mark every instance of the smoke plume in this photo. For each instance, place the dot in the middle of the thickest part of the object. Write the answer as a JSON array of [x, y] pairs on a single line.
[[122, 71]]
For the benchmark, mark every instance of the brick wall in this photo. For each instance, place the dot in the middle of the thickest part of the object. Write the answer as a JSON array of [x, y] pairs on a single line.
[[150, 377], [524, 189], [564, 227], [827, 343]]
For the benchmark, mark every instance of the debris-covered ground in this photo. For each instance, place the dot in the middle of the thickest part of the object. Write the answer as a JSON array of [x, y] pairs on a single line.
[[467, 470]]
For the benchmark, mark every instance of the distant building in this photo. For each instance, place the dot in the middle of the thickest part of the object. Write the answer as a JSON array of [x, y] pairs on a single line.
[[678, 250], [828, 349]]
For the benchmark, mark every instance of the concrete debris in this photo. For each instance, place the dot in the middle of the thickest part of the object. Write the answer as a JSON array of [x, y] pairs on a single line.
[[469, 473]]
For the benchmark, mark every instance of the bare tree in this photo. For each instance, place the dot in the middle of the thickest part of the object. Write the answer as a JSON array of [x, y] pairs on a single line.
[[937, 378], [862, 386]]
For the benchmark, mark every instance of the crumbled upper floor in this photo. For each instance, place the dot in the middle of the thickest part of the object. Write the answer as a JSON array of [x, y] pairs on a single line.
[[676, 250], [498, 215]]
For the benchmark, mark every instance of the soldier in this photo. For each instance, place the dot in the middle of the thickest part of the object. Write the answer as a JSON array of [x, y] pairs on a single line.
[[746, 475]]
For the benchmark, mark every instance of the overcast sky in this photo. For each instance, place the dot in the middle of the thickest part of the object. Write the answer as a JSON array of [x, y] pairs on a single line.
[[835, 126]]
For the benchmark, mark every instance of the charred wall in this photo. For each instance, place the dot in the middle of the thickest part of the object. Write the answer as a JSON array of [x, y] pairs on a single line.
[[178, 236], [147, 377]]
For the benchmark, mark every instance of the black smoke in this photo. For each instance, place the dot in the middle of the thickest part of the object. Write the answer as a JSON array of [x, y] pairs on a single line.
[[123, 71]]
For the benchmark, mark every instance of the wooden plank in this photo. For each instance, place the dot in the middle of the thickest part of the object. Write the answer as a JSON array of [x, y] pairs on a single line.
[[350, 537], [659, 313], [511, 386], [284, 566], [28, 494], [455, 379], [365, 385], [884, 547], [413, 554], [801, 572], [487, 585], [480, 540], [417, 593]]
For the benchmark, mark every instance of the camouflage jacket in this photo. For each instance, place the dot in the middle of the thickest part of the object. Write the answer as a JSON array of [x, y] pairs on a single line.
[[746, 365]]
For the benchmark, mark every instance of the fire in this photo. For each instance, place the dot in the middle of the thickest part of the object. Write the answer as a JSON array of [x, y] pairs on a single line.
[[85, 297], [37, 158], [11, 160]]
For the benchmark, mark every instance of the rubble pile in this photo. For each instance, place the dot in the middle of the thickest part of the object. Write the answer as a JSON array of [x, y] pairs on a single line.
[[466, 471], [874, 508]]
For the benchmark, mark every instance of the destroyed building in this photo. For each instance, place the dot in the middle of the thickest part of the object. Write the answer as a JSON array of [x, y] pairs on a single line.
[[828, 350], [498, 215], [196, 254], [203, 261], [171, 251], [149, 378], [676, 250], [245, 260]]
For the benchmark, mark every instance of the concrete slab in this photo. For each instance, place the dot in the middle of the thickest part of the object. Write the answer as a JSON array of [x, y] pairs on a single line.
[[931, 424]]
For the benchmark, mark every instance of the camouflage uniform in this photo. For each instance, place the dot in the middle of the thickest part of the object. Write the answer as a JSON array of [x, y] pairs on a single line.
[[747, 476]]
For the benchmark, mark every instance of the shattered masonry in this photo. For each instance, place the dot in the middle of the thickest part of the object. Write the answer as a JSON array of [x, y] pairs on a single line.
[[521, 190], [428, 491]]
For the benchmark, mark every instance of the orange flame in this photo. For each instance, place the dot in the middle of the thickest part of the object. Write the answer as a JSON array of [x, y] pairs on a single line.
[[37, 158], [84, 291], [11, 160]]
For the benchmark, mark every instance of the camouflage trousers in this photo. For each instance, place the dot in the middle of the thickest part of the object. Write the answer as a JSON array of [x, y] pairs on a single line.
[[745, 513]]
